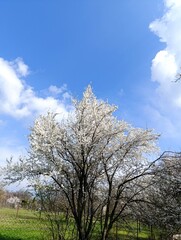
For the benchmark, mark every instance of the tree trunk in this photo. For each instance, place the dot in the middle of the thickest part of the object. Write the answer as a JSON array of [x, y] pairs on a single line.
[[105, 234]]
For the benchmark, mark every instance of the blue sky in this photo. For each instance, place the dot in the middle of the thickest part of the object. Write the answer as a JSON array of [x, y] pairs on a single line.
[[129, 50]]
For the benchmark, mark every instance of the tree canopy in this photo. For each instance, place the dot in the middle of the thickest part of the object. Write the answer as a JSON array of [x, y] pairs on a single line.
[[99, 164]]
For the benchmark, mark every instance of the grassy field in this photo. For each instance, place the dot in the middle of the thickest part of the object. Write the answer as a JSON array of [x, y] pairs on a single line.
[[26, 225], [131, 231]]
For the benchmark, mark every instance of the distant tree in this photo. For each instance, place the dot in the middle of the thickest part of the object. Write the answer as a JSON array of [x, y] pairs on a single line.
[[3, 197], [55, 209], [26, 197], [168, 195], [162, 206], [98, 163]]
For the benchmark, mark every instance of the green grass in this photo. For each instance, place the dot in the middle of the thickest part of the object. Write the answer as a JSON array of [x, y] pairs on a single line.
[[128, 230], [24, 226]]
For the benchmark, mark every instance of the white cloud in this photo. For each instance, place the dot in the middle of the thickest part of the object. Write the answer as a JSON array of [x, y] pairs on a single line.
[[55, 90], [167, 62], [164, 125], [164, 67], [19, 100], [166, 101], [20, 67]]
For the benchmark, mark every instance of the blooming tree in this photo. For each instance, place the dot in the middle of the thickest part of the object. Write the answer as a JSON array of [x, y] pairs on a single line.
[[14, 201], [164, 198], [98, 162]]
